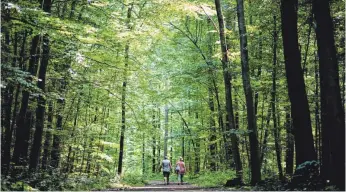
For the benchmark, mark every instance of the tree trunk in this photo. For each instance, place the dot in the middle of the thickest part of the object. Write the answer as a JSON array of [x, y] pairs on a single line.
[[305, 70], [265, 139], [228, 91], [23, 131], [6, 149], [332, 114], [259, 72], [273, 103], [317, 113], [255, 164], [153, 169], [55, 154], [41, 106], [197, 156], [296, 87], [69, 161], [73, 8], [46, 152], [166, 132], [183, 141], [212, 138], [123, 98], [143, 154], [7, 94], [289, 144]]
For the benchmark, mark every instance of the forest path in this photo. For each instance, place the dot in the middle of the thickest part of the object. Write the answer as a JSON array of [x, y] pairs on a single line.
[[173, 186]]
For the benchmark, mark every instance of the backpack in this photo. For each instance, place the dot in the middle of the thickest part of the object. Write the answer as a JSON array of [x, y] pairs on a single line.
[[177, 168], [182, 168]]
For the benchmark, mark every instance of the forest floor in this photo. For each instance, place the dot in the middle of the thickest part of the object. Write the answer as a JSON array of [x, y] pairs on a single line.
[[157, 185]]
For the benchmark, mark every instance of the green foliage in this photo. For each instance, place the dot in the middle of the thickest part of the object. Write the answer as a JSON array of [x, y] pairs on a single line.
[[133, 179], [84, 182], [213, 179]]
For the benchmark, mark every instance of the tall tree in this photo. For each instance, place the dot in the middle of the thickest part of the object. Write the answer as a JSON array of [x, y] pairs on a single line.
[[123, 96], [41, 101], [273, 102], [295, 82], [228, 91], [252, 125], [332, 114]]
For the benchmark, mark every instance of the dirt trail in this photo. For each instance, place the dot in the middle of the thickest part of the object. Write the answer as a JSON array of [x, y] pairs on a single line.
[[173, 186]]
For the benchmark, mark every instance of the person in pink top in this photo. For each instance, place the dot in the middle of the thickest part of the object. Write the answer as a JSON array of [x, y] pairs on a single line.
[[180, 168]]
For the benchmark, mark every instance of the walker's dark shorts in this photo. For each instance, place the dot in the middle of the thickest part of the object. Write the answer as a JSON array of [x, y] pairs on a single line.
[[166, 174]]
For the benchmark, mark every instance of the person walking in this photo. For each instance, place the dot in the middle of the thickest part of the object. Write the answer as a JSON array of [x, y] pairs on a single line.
[[166, 168], [181, 171]]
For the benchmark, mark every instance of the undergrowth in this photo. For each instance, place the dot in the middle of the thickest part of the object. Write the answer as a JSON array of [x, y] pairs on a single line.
[[212, 179], [53, 180]]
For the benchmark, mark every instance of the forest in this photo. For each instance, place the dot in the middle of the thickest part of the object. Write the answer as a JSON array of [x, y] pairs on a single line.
[[95, 93]]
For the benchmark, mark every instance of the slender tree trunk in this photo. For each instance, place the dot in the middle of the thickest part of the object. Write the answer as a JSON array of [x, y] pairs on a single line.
[[228, 92], [154, 145], [69, 160], [85, 139], [46, 152], [273, 103], [166, 132], [289, 144], [305, 70], [332, 114], [266, 134], [88, 161], [172, 141], [296, 87], [259, 72], [158, 146], [183, 141], [212, 138], [255, 164], [6, 149], [73, 8], [55, 154], [317, 113], [143, 154], [123, 98], [197, 156]]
